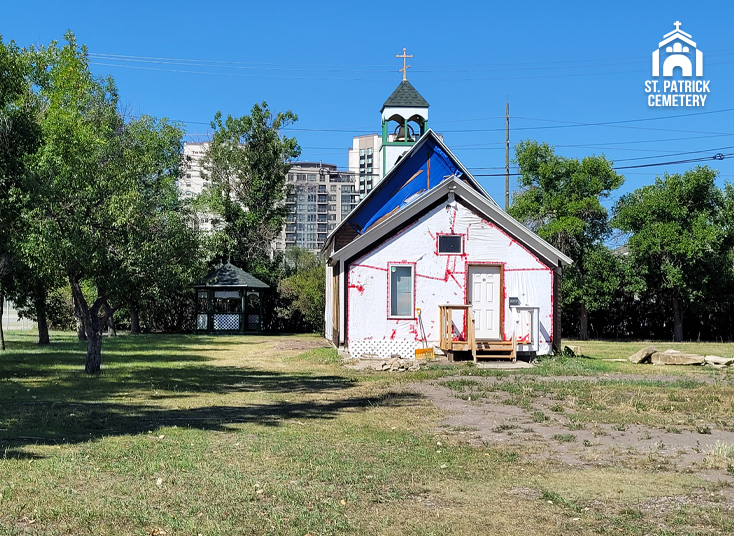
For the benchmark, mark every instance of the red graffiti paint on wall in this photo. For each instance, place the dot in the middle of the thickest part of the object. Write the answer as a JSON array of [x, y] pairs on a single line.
[[358, 287]]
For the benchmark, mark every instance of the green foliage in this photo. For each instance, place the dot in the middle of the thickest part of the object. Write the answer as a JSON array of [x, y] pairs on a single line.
[[679, 237], [247, 163], [101, 204], [560, 199], [306, 289]]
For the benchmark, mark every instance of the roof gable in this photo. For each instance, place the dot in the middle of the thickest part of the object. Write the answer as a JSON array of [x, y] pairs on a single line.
[[229, 275], [460, 190], [426, 164], [405, 95]]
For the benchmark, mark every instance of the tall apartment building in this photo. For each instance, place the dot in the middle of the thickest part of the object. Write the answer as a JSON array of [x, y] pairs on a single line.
[[364, 161], [192, 183], [319, 197]]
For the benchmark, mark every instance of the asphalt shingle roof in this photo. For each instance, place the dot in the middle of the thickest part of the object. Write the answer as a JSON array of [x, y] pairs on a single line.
[[228, 275], [405, 95]]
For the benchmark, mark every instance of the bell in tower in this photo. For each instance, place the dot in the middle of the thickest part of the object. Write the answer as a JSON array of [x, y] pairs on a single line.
[[400, 133], [404, 120]]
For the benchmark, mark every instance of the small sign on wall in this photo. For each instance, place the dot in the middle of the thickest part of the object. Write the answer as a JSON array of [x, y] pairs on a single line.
[[514, 301]]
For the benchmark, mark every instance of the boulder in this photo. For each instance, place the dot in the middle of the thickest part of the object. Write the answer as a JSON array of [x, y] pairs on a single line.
[[676, 358], [643, 356], [716, 360]]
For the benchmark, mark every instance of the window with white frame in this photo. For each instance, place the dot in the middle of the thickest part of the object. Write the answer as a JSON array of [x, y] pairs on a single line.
[[401, 291]]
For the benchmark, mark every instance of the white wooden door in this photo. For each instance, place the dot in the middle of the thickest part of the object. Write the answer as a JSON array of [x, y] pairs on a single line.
[[485, 283]]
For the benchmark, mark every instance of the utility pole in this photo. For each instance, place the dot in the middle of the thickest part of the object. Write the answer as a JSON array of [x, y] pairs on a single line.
[[507, 154]]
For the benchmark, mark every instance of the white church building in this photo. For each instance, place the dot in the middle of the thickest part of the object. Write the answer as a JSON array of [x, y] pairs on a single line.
[[429, 247]]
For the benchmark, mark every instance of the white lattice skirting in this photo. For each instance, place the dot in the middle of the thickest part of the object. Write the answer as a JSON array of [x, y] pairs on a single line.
[[226, 322], [384, 349]]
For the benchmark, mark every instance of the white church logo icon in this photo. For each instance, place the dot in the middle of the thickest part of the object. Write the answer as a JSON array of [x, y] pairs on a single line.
[[678, 85], [676, 46]]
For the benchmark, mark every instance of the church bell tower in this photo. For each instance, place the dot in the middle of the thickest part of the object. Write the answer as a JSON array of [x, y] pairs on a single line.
[[404, 120]]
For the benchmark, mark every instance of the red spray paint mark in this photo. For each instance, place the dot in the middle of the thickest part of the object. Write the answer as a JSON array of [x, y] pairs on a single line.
[[359, 287], [392, 336], [412, 329]]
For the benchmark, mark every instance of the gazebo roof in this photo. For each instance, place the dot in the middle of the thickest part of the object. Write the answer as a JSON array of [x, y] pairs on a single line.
[[228, 275]]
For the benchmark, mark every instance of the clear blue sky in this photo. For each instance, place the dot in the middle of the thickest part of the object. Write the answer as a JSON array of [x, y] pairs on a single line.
[[333, 63]]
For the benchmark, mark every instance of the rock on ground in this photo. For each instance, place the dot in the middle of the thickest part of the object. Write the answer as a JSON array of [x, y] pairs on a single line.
[[643, 356], [716, 360], [676, 358]]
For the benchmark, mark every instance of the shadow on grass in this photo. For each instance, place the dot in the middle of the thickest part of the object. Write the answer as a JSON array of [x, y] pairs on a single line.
[[46, 399], [52, 423]]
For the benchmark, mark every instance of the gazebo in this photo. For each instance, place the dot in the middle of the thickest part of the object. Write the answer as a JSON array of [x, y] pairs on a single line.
[[229, 300]]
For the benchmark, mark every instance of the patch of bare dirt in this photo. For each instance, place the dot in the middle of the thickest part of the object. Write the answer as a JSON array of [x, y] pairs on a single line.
[[489, 420], [294, 343]]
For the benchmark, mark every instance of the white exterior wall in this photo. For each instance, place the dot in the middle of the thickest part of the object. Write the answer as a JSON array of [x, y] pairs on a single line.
[[441, 279], [392, 153], [402, 111], [329, 304]]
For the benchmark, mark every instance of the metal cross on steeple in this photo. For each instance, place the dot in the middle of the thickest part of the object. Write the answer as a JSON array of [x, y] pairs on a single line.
[[405, 68]]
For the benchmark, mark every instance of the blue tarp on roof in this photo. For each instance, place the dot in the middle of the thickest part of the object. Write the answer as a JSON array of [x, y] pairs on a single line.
[[406, 183]]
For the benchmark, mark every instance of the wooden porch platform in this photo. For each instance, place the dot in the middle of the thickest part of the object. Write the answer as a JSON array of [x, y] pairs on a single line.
[[480, 349]]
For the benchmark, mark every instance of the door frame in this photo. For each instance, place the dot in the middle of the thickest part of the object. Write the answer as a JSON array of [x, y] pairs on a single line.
[[501, 266]]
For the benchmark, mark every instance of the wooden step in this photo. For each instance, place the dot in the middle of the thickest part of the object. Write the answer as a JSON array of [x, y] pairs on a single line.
[[495, 350], [494, 346]]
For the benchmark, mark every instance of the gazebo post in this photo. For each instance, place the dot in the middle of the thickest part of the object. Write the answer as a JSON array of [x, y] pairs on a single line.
[[243, 317], [260, 315], [210, 310]]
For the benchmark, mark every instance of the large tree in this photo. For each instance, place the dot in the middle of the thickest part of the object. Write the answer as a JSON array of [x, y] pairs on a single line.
[[101, 191], [247, 162], [560, 199], [19, 136], [679, 238], [304, 289], [164, 256]]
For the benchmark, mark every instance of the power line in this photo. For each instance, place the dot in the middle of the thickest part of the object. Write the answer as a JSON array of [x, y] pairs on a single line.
[[441, 68], [719, 157], [566, 124]]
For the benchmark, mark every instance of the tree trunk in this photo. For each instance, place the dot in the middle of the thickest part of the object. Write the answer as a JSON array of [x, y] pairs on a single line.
[[93, 363], [2, 310], [92, 328], [111, 331], [134, 321], [677, 321], [584, 324], [43, 337], [110, 320], [80, 330], [42, 320]]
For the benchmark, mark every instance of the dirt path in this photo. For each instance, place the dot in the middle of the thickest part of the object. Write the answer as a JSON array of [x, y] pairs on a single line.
[[491, 420]]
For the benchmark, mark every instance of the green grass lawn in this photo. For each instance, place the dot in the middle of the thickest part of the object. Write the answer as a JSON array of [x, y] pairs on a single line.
[[198, 435], [624, 349]]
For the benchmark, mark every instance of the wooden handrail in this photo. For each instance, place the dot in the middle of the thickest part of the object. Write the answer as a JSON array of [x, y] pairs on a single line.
[[471, 333]]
